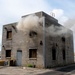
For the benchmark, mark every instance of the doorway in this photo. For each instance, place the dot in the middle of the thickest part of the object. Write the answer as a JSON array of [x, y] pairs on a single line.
[[19, 58]]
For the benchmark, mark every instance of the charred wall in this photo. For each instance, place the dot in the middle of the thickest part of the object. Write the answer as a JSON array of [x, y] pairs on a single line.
[[59, 48]]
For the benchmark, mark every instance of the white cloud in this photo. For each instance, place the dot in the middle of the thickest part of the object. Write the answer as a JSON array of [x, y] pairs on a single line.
[[12, 10], [21, 7], [59, 14]]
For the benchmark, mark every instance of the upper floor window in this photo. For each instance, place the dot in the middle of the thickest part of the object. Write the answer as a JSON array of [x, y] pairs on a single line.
[[63, 39], [41, 43], [9, 34]]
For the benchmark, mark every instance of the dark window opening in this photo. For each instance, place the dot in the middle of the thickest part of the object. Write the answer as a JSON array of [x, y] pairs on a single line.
[[9, 34], [41, 43], [32, 33], [53, 53], [56, 44], [14, 27], [63, 39], [8, 53], [63, 53], [6, 28], [32, 53]]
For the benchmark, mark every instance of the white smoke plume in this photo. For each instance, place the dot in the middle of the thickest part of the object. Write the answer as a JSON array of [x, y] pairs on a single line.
[[34, 23], [70, 23], [55, 30], [30, 23]]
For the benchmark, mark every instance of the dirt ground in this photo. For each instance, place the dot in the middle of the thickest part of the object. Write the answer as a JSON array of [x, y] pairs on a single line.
[[21, 71], [68, 70]]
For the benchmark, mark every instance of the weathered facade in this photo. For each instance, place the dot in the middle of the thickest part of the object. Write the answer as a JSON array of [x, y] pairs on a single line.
[[40, 50]]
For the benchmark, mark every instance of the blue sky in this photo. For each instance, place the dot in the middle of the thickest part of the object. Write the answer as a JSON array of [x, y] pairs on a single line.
[[12, 10], [66, 5]]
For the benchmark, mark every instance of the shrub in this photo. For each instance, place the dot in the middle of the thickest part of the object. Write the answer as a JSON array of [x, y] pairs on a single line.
[[30, 65]]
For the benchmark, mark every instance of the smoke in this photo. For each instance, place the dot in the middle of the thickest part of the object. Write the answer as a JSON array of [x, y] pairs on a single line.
[[70, 23], [34, 23], [55, 30], [30, 23]]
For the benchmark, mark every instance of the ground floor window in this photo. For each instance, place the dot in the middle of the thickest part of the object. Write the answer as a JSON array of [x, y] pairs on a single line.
[[8, 53], [32, 53], [63, 53], [53, 54]]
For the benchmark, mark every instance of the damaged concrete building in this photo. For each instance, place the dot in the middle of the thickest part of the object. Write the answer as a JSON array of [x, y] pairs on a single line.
[[47, 44]]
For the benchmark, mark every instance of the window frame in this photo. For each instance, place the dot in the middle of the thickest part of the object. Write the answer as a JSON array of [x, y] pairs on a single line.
[[9, 35], [53, 53], [31, 53], [63, 39], [64, 54], [6, 54]]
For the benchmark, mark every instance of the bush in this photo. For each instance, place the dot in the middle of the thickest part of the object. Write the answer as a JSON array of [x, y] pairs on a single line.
[[30, 65]]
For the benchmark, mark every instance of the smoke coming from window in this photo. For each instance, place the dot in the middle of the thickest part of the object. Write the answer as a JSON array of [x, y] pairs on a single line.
[[34, 23], [30, 23], [55, 30], [70, 23]]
